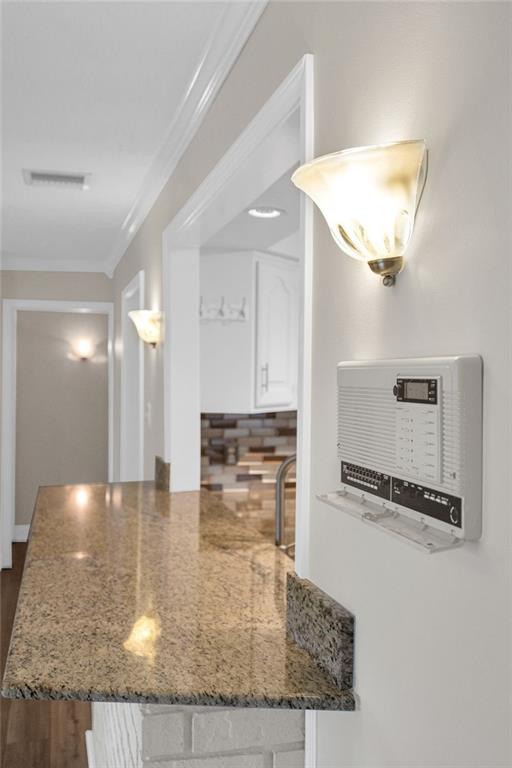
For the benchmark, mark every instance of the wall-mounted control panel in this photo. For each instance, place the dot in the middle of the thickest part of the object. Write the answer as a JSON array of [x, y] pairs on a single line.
[[410, 439]]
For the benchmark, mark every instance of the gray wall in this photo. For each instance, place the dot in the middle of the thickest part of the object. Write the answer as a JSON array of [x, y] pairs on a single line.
[[61, 404], [433, 634], [60, 286]]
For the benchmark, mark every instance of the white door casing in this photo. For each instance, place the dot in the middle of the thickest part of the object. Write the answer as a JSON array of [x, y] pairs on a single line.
[[182, 390], [131, 460]]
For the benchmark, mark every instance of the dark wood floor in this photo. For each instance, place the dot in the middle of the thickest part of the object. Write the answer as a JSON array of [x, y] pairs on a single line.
[[36, 734]]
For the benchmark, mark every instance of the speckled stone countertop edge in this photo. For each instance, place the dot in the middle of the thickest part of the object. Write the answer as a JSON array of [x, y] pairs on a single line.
[[322, 627], [344, 701]]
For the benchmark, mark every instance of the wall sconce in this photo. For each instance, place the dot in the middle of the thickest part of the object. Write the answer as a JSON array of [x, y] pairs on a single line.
[[148, 323], [84, 349], [369, 197]]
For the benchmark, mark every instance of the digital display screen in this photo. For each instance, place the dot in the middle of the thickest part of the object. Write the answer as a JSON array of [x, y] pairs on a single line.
[[416, 390]]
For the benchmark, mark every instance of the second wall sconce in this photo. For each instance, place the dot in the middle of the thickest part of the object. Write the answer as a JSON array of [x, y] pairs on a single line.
[[369, 197], [83, 349], [148, 323]]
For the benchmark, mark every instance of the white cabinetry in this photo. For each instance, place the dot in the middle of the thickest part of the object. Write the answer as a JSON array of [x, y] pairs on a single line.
[[276, 336], [249, 364]]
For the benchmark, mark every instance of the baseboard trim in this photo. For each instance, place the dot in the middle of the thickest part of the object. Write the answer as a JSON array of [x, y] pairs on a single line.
[[89, 746], [21, 532]]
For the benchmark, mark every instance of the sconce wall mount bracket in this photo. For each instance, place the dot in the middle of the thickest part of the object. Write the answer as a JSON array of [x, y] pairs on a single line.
[[388, 269]]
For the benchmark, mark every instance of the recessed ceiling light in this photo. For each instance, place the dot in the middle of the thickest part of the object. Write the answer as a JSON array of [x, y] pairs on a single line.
[[264, 212]]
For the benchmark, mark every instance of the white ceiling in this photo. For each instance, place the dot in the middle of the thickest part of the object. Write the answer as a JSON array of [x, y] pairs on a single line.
[[101, 88], [246, 232]]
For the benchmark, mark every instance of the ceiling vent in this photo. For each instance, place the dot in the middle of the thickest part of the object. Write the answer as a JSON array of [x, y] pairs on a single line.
[[56, 179]]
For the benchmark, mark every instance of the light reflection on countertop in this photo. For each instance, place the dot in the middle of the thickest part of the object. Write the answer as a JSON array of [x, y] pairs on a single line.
[[143, 637], [133, 594]]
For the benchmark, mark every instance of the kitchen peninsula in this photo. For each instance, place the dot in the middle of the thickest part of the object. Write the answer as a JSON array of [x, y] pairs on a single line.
[[133, 594]]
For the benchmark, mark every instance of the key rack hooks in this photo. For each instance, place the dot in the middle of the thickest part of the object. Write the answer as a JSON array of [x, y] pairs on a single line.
[[222, 311]]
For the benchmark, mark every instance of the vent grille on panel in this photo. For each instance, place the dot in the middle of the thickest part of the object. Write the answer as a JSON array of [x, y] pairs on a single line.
[[366, 427], [367, 432], [56, 179]]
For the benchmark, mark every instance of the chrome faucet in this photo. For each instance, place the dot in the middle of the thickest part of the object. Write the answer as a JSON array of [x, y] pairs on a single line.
[[280, 501]]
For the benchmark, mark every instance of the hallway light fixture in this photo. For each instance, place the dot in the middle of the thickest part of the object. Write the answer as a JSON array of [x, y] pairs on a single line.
[[148, 323], [84, 349], [369, 197]]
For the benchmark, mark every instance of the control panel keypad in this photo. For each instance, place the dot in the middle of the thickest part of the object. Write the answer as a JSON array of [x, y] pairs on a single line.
[[417, 441]]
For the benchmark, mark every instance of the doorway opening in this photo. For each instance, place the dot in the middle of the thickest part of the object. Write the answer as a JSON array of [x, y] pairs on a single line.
[[278, 139], [74, 349], [250, 316]]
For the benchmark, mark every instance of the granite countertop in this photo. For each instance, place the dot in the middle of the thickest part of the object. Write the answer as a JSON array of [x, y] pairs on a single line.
[[133, 594]]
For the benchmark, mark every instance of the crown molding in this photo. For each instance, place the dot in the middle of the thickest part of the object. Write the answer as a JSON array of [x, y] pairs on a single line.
[[224, 45], [283, 102], [36, 264]]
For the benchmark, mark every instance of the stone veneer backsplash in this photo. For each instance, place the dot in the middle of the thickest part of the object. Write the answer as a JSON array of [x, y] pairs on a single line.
[[234, 446]]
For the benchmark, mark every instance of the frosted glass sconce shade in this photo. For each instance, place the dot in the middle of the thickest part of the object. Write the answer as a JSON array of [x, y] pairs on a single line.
[[84, 349], [369, 197], [148, 323]]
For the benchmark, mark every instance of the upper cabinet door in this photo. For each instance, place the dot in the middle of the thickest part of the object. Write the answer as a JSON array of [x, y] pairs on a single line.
[[277, 322]]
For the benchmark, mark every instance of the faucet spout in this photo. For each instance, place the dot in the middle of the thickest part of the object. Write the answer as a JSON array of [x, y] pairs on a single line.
[[280, 489]]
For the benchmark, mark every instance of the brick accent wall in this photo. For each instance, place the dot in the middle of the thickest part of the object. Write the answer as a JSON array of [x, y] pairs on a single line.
[[226, 439], [213, 737], [135, 736]]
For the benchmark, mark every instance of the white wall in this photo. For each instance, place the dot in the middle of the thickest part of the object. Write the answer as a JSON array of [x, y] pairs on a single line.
[[227, 348], [289, 246], [433, 645]]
